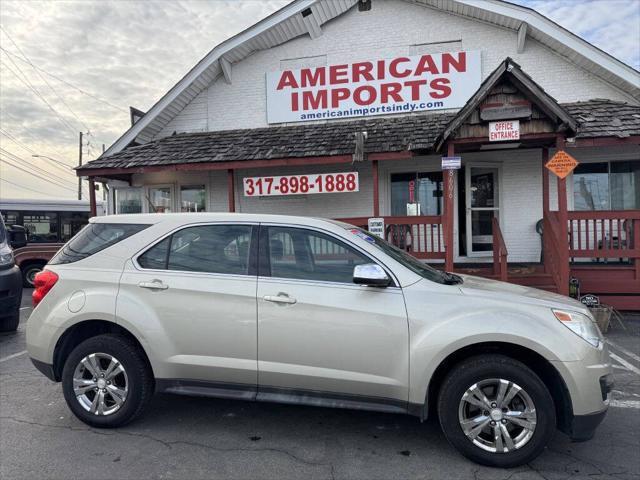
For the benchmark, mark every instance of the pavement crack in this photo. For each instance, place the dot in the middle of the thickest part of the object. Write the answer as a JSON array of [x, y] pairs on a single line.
[[170, 444]]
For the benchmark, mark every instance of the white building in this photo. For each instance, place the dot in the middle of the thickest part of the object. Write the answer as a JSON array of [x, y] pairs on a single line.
[[378, 91]]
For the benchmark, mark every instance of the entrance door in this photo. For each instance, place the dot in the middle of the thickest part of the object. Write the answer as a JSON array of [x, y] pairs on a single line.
[[483, 203]]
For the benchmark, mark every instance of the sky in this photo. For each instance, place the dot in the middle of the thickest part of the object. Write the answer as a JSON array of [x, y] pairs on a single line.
[[71, 66]]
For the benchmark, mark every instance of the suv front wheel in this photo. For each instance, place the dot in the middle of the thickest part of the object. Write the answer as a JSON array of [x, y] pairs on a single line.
[[106, 381], [496, 411]]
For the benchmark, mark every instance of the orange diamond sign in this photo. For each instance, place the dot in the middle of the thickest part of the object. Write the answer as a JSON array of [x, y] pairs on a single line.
[[562, 164]]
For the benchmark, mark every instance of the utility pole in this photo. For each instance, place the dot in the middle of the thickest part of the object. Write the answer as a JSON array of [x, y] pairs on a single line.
[[80, 164]]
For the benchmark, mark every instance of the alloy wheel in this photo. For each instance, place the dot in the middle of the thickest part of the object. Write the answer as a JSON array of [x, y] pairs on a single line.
[[497, 415], [100, 384]]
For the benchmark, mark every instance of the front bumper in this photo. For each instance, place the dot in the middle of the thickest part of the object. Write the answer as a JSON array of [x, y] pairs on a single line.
[[583, 427], [10, 291], [45, 368]]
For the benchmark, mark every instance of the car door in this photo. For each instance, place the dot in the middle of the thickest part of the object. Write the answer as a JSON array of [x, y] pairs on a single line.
[[193, 298], [321, 338]]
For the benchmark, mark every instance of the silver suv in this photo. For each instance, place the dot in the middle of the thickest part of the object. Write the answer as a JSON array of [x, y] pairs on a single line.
[[310, 311]]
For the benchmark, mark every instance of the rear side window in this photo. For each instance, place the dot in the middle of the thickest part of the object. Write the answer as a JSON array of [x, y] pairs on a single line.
[[206, 248], [93, 238]]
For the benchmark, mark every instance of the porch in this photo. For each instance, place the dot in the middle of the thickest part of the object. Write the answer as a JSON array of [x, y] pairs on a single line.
[[602, 251]]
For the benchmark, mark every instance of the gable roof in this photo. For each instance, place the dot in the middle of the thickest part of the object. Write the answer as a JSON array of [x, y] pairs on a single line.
[[512, 72], [288, 23], [417, 133]]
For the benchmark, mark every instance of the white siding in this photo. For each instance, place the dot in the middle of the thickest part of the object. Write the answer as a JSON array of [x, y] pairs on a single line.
[[331, 205], [390, 28]]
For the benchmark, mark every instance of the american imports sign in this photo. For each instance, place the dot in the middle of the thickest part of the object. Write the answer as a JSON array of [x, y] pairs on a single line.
[[376, 87]]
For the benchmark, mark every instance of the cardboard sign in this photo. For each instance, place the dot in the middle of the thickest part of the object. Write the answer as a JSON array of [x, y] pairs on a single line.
[[370, 87], [590, 300], [504, 131], [376, 226], [562, 164], [451, 163]]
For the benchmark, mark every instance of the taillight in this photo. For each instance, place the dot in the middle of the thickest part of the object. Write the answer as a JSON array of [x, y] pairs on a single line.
[[44, 281]]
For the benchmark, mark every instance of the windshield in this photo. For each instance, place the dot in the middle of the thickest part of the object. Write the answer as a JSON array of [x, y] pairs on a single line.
[[409, 261]]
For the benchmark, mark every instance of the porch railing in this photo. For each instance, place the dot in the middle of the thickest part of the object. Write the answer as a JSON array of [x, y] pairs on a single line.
[[499, 252], [421, 236], [605, 235]]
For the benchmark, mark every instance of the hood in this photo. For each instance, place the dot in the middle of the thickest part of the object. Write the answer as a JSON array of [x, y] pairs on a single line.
[[517, 293]]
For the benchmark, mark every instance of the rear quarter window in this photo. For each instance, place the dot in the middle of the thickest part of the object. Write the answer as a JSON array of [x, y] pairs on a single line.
[[93, 238]]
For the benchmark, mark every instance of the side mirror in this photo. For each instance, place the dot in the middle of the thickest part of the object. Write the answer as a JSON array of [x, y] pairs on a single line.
[[17, 236], [370, 274]]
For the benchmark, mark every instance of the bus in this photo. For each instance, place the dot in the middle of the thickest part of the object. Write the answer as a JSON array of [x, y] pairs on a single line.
[[49, 224]]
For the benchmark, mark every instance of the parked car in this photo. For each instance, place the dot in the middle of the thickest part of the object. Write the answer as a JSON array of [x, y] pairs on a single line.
[[10, 281], [309, 311]]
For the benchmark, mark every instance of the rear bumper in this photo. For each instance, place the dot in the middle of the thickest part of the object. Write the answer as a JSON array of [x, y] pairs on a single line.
[[10, 291], [45, 368]]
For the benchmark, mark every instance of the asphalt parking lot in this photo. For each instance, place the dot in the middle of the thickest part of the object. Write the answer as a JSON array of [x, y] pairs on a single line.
[[189, 438]]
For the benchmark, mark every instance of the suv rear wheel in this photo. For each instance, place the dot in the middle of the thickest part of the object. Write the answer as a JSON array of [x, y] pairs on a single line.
[[29, 273], [496, 411], [106, 381]]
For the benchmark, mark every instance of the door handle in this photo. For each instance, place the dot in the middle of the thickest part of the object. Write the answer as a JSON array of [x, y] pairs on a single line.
[[154, 285], [280, 298]]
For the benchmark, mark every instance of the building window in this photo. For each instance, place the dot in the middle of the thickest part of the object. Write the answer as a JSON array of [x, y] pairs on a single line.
[[416, 193], [193, 198], [159, 199], [607, 186], [128, 200]]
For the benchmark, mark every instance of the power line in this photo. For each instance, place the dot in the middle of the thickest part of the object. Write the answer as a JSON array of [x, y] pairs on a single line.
[[33, 137], [21, 186], [22, 161], [36, 175], [84, 92], [30, 150], [42, 77], [29, 85], [68, 169]]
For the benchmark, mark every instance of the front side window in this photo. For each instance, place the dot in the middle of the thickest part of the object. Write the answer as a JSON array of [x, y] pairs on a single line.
[[607, 186], [94, 238], [193, 198], [206, 248], [308, 255]]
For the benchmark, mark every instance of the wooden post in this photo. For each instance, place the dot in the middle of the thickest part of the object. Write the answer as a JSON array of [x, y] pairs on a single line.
[[231, 190], [448, 182], [92, 197], [545, 202], [563, 217], [376, 193]]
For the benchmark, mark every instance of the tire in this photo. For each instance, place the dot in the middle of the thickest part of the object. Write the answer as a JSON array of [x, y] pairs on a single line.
[[29, 272], [489, 373], [136, 380], [10, 323]]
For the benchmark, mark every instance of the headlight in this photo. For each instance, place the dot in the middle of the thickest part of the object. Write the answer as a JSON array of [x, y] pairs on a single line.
[[6, 256], [581, 325]]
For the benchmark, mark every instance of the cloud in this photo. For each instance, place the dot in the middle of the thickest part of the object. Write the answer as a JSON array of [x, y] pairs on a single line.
[[131, 53]]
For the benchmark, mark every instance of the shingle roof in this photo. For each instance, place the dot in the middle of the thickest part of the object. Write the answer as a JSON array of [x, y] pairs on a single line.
[[396, 134], [605, 118], [596, 118]]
